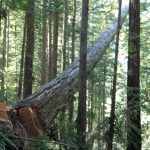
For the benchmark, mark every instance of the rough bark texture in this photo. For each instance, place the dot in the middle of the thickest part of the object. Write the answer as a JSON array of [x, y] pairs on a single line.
[[71, 104], [81, 118], [133, 79], [27, 82], [64, 36], [73, 31], [4, 62], [55, 42], [49, 41], [22, 59], [44, 44], [54, 95], [0, 19]]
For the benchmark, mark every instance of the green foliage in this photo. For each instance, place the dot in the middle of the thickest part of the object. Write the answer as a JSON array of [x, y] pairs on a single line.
[[2, 143], [5, 140], [53, 146], [16, 4], [100, 79], [39, 144]]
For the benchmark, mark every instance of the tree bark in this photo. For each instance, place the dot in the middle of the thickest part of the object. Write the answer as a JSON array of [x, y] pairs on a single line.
[[49, 40], [133, 79], [73, 31], [63, 66], [44, 44], [0, 18], [81, 118], [113, 96], [22, 59], [64, 36], [27, 82], [4, 62], [55, 41], [53, 96], [71, 104]]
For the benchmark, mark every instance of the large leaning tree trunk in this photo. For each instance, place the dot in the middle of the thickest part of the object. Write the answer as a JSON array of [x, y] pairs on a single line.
[[54, 95]]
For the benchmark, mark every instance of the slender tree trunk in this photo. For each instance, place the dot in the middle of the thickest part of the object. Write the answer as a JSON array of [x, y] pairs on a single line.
[[113, 98], [50, 41], [64, 37], [0, 18], [73, 31], [22, 59], [63, 66], [8, 27], [71, 104], [81, 120], [28, 66], [91, 106], [3, 86], [104, 99], [16, 64], [99, 116], [54, 95], [55, 41], [90, 97], [44, 44], [133, 79]]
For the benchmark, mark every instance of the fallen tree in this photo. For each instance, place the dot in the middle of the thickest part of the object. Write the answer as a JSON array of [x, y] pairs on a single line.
[[55, 95]]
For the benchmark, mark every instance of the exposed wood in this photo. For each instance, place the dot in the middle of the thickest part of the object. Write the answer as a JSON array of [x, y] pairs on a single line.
[[23, 122], [4, 118], [30, 121], [54, 95]]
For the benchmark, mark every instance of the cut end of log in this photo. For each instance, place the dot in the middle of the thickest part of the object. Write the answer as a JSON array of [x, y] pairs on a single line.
[[25, 121], [4, 119], [29, 118]]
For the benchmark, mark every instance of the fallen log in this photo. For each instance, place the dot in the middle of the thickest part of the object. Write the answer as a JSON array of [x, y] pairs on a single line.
[[55, 95]]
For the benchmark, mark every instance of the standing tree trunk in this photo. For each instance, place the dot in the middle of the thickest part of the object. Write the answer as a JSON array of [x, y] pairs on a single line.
[[28, 66], [3, 88], [64, 37], [91, 108], [0, 18], [55, 41], [104, 99], [50, 40], [71, 104], [63, 66], [54, 95], [8, 31], [133, 79], [81, 118], [73, 31], [44, 39], [22, 59], [113, 96]]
